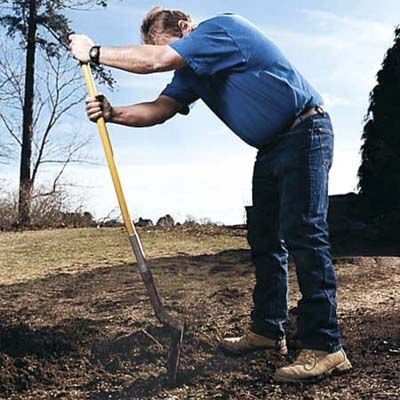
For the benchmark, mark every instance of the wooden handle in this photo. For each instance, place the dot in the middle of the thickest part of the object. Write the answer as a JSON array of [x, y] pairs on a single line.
[[101, 125]]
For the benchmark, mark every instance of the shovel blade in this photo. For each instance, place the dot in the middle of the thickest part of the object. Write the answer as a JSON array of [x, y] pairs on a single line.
[[174, 353]]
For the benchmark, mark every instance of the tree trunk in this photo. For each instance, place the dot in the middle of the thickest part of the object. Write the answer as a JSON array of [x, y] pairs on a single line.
[[25, 183]]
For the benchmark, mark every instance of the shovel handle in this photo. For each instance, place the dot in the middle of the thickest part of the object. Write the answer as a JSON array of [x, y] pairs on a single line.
[[130, 227], [101, 125]]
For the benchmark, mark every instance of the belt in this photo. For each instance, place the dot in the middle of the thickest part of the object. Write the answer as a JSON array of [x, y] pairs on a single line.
[[302, 117], [307, 114]]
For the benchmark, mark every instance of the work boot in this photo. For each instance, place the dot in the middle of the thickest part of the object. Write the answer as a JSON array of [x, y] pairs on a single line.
[[251, 341], [313, 364]]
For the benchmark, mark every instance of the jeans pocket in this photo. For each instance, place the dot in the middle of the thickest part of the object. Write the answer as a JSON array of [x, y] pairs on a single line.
[[326, 141]]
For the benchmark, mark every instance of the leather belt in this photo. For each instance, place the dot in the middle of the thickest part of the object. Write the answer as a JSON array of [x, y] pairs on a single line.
[[302, 117], [307, 114]]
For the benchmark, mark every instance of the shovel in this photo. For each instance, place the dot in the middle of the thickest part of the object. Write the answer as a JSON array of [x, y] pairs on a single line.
[[174, 326]]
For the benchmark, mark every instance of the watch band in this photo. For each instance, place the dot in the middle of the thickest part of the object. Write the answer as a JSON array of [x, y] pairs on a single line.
[[94, 54]]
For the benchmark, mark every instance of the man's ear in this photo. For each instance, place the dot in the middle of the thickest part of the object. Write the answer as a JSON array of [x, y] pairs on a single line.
[[185, 27]]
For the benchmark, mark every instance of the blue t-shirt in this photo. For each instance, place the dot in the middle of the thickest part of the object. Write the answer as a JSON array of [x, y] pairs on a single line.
[[243, 78]]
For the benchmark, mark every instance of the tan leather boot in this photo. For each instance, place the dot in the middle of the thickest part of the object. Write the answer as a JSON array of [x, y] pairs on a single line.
[[251, 341], [313, 364]]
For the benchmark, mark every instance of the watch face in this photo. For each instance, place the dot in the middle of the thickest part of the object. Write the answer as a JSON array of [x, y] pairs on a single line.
[[93, 52]]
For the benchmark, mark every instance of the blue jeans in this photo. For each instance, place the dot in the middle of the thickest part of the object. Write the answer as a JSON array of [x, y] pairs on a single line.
[[289, 215]]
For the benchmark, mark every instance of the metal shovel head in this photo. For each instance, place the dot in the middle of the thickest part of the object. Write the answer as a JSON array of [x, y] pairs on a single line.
[[174, 352]]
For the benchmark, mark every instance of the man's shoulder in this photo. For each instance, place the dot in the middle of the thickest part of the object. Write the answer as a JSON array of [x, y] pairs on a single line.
[[224, 20]]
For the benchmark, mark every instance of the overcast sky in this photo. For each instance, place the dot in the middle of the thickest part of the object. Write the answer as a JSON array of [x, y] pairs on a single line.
[[193, 165]]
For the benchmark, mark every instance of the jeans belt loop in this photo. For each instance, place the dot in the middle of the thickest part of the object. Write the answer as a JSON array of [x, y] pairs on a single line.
[[303, 116]]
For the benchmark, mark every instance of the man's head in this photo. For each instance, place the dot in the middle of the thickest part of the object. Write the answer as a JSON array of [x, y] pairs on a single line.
[[162, 26]]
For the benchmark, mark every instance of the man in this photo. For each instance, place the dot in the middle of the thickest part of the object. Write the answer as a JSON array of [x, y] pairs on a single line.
[[250, 85]]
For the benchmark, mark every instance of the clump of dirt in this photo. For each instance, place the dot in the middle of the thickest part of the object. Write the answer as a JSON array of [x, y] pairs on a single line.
[[27, 356], [20, 340]]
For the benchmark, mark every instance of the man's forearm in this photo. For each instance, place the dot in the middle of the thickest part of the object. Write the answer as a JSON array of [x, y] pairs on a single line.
[[143, 59], [126, 115], [141, 114]]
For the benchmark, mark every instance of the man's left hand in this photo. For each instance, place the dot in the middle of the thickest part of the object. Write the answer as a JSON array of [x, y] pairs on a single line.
[[80, 46]]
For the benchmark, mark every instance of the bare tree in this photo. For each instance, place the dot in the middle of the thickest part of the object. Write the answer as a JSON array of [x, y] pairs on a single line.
[[10, 101], [58, 89], [8, 76], [40, 25]]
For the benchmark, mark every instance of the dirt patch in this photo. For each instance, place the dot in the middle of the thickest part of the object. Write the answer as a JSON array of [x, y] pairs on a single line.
[[91, 334]]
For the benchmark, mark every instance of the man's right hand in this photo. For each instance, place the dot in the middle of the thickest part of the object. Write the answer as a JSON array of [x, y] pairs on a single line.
[[97, 107]]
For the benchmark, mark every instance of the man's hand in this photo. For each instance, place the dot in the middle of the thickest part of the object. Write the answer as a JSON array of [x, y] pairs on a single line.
[[80, 46], [97, 107]]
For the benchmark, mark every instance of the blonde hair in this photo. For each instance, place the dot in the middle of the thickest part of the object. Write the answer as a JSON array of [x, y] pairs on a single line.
[[162, 20]]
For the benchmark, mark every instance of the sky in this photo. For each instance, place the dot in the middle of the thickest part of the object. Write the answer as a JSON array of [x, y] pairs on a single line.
[[193, 165]]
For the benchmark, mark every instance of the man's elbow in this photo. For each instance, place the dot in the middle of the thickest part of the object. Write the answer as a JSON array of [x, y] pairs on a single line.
[[167, 59], [142, 122], [161, 119], [147, 121]]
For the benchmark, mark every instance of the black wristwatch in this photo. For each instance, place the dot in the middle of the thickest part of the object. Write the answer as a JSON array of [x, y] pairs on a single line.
[[94, 54]]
